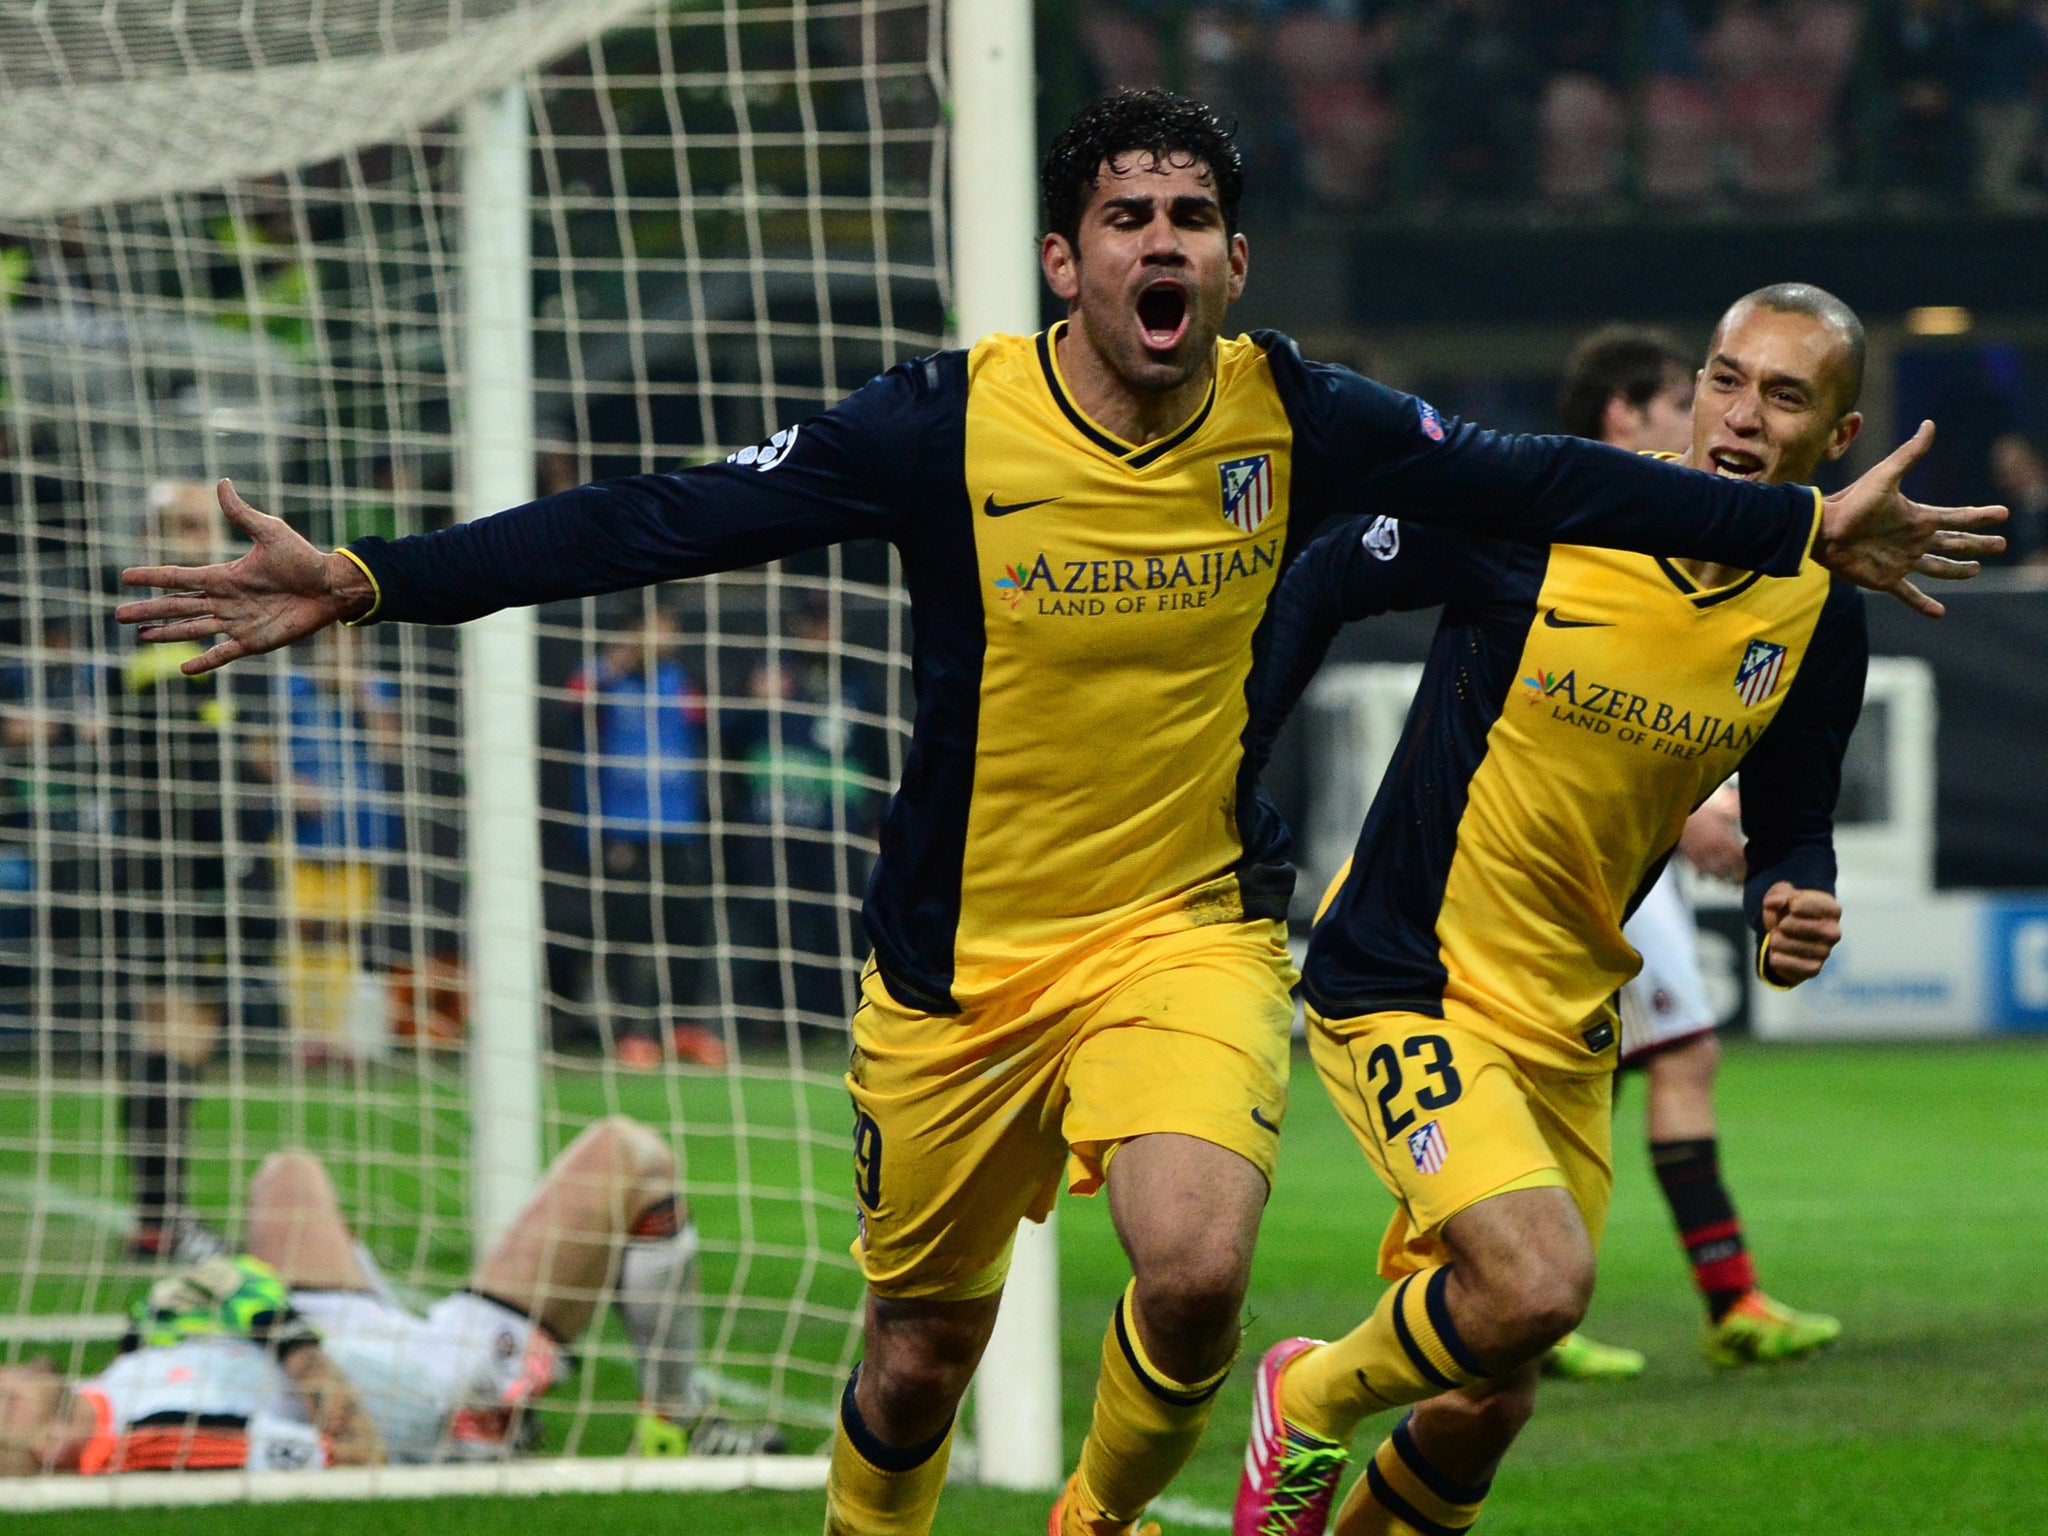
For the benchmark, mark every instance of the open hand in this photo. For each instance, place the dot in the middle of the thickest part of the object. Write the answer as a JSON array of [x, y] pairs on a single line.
[[1876, 536], [280, 591], [1802, 928]]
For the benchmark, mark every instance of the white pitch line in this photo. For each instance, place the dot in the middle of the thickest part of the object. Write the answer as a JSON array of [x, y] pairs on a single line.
[[1187, 1512], [62, 1328], [62, 1200]]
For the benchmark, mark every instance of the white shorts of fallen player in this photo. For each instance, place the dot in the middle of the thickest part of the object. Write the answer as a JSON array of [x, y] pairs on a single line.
[[436, 1386], [1667, 1002]]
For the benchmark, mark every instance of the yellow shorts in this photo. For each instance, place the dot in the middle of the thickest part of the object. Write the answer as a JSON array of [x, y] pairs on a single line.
[[1448, 1117], [962, 1121]]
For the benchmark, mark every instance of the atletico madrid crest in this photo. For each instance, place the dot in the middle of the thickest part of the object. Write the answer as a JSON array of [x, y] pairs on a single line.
[[1428, 1147], [1247, 491], [1757, 678]]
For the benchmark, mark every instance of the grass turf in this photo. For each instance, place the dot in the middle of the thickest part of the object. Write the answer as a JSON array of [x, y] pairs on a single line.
[[1894, 1186]]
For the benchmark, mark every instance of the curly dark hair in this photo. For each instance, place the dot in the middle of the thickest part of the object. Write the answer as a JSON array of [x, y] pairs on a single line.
[[1154, 123]]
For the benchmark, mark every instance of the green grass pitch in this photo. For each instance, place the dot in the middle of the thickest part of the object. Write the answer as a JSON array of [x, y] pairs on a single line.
[[1898, 1187]]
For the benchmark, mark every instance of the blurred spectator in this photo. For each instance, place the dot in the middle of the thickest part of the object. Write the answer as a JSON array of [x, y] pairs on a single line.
[[341, 731], [1334, 69], [1781, 68], [2021, 476], [1920, 59], [641, 790], [1584, 110], [188, 776], [2004, 73], [1122, 47], [1477, 82], [1681, 144], [52, 725], [807, 766]]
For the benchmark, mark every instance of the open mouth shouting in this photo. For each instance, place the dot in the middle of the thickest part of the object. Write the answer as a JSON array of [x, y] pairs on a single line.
[[1163, 313], [1736, 463]]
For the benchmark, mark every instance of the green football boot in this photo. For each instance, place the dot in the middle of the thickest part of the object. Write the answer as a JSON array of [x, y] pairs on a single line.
[[1578, 1358], [1760, 1331]]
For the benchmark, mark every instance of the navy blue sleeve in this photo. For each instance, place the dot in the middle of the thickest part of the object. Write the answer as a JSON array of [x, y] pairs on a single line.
[[834, 477], [1793, 775], [1360, 567], [1362, 448]]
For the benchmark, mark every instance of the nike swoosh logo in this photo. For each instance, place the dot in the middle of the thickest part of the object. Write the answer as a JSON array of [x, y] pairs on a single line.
[[1261, 1121], [1552, 621], [996, 508]]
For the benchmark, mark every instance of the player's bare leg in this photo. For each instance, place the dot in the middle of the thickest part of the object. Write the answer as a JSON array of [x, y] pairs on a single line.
[[1188, 1214], [1680, 1102], [608, 1221], [896, 1417], [1440, 1460], [1744, 1326], [176, 1035], [296, 1226], [1521, 1275], [555, 1261], [916, 1361], [1520, 1278], [1679, 1112]]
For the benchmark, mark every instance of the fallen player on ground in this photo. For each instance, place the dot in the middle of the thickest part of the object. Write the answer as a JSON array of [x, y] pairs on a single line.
[[294, 1354]]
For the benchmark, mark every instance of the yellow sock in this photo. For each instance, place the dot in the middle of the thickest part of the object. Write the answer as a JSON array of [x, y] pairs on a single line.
[[1401, 1494], [1145, 1427], [1406, 1351], [874, 1489]]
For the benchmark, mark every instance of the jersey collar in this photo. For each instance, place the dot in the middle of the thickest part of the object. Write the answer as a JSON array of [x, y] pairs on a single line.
[[1698, 596], [1134, 455], [1706, 597]]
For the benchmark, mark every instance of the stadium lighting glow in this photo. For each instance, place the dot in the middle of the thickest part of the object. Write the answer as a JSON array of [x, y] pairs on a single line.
[[1938, 320]]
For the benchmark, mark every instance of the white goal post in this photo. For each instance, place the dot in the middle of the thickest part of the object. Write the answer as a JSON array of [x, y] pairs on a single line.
[[415, 260], [996, 287]]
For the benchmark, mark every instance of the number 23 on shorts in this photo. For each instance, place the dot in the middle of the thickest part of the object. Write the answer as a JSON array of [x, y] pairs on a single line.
[[1421, 1065]]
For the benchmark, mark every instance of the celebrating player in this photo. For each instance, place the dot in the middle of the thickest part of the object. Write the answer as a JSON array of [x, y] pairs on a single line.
[[1576, 707], [294, 1356], [1076, 914], [1633, 388]]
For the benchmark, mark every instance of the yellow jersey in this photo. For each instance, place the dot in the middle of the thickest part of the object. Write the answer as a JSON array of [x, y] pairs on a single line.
[[1577, 706], [1086, 612]]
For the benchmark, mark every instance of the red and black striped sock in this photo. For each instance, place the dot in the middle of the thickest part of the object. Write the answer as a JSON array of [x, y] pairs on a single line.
[[1689, 1172]]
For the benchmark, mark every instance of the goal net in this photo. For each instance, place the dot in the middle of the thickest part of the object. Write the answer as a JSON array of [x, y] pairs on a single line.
[[237, 913]]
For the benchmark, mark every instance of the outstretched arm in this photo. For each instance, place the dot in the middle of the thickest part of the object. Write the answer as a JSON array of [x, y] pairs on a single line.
[[1363, 448], [838, 476]]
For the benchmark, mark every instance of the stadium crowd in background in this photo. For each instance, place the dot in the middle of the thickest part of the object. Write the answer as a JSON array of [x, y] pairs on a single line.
[[1682, 104]]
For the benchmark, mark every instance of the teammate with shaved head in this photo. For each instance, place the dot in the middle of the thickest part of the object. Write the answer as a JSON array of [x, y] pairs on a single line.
[[1577, 707], [1633, 388]]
